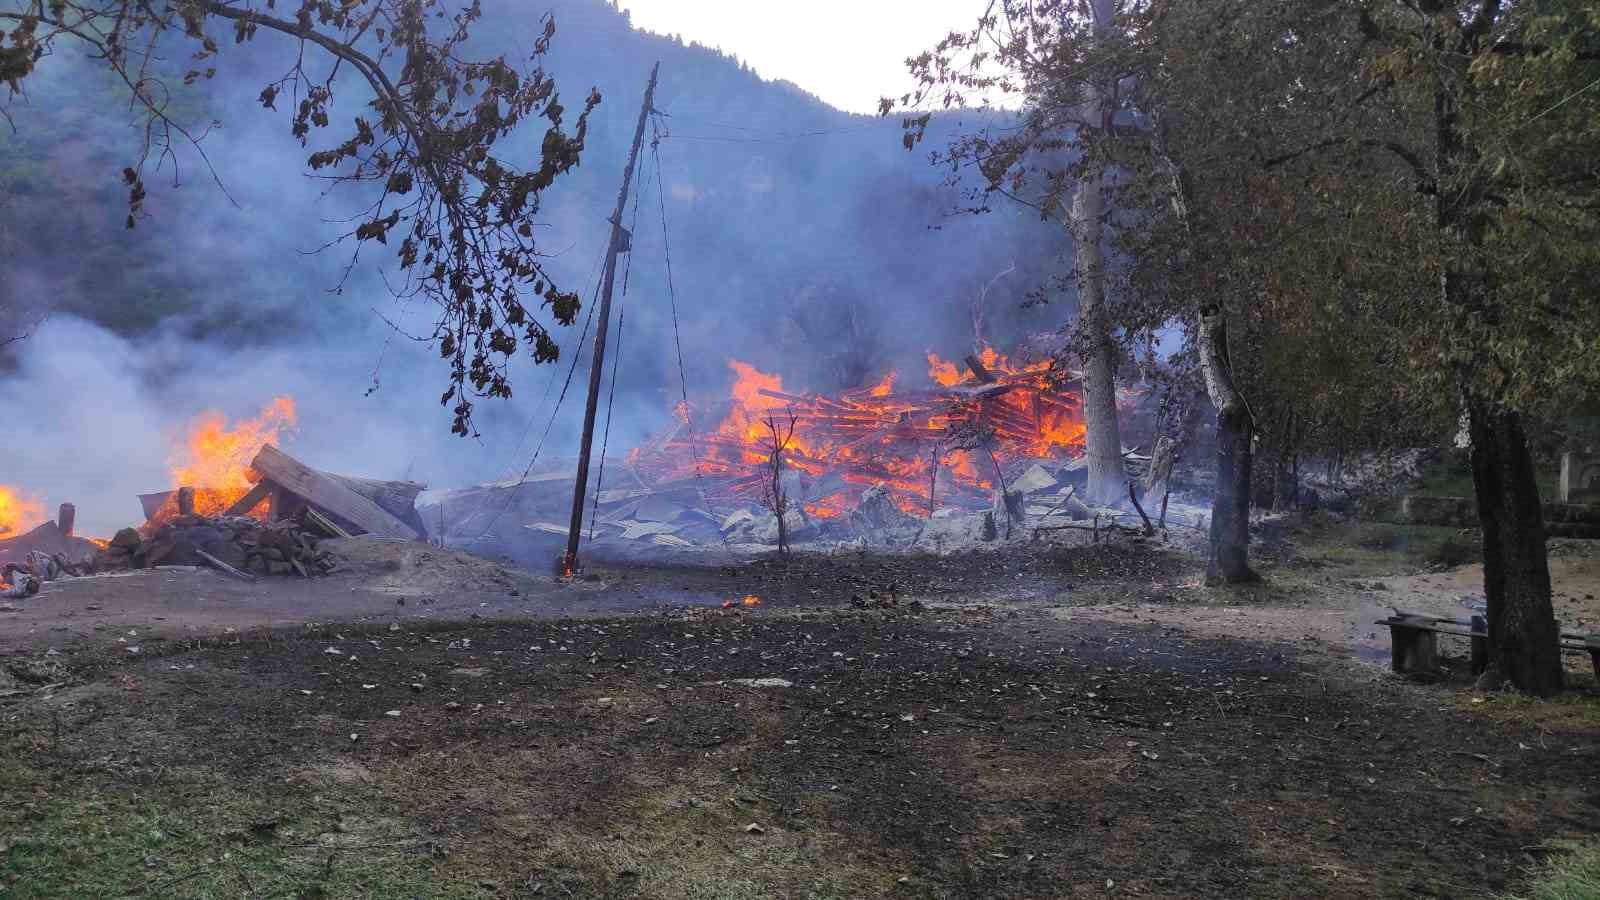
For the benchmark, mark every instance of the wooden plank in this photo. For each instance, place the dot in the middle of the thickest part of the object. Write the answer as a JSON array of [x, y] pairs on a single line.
[[250, 500], [326, 524], [319, 490], [223, 567]]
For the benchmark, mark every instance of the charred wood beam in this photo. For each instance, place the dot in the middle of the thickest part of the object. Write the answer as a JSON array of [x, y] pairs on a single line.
[[250, 500], [978, 369]]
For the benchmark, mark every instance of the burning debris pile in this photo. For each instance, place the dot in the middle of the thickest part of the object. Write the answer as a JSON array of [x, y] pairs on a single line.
[[232, 544], [51, 538], [920, 447], [243, 506], [985, 452], [18, 512]]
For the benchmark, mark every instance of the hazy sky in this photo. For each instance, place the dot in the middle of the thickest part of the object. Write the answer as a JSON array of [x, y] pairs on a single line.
[[848, 52]]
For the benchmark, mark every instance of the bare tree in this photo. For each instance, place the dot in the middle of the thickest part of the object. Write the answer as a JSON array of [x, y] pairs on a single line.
[[774, 496], [980, 305], [425, 151]]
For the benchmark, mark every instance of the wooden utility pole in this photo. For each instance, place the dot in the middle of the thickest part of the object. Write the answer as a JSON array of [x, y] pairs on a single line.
[[620, 241]]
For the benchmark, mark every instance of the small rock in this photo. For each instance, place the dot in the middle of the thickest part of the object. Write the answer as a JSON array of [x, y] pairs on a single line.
[[763, 682], [753, 828]]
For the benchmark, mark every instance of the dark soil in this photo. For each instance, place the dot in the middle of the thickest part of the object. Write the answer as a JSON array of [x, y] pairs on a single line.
[[978, 752]]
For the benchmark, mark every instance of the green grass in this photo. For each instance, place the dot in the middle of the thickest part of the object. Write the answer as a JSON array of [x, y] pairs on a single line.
[[1577, 710], [1364, 548], [1573, 874], [189, 835], [1452, 478]]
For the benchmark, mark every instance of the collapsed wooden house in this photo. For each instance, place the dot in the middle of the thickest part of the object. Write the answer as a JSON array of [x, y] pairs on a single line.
[[54, 538], [289, 489]]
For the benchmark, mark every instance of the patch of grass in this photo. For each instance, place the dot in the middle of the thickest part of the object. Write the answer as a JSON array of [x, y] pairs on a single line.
[[1573, 874], [1450, 477], [1576, 710], [1451, 550], [194, 835], [1356, 549], [1446, 477]]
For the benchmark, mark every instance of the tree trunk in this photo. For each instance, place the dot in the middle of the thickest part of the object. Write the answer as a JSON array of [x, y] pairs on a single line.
[[1162, 457], [1230, 509], [1524, 640], [1103, 440]]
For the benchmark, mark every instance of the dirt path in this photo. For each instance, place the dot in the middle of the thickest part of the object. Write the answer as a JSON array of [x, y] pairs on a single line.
[[1323, 608]]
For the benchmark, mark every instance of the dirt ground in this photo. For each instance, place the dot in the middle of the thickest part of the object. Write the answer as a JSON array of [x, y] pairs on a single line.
[[1085, 721]]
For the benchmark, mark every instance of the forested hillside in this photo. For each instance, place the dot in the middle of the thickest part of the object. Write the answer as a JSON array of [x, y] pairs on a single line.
[[780, 208]]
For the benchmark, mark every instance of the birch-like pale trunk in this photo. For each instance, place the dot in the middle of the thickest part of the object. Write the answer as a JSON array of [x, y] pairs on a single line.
[[1103, 440], [1107, 474]]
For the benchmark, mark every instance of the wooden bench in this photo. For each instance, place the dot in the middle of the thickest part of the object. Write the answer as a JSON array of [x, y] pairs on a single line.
[[1413, 640]]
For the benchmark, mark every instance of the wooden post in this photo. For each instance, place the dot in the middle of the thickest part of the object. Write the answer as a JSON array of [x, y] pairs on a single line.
[[66, 517], [1415, 649], [569, 565], [186, 501]]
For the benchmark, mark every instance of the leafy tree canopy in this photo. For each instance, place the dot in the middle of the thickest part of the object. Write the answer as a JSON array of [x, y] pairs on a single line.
[[459, 218]]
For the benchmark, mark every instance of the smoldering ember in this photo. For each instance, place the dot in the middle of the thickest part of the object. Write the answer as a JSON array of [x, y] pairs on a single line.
[[953, 449]]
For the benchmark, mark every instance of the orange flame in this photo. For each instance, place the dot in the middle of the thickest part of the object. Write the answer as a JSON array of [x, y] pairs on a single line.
[[19, 512], [944, 374], [751, 600], [216, 458], [883, 433]]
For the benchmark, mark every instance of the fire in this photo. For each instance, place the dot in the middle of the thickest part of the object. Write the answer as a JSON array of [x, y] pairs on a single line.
[[830, 507], [19, 512], [885, 433], [751, 600], [216, 458], [945, 374]]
